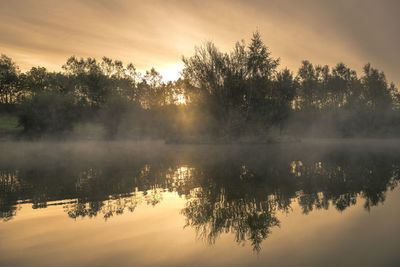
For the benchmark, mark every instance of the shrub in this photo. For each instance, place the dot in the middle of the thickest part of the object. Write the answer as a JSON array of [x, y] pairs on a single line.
[[47, 114]]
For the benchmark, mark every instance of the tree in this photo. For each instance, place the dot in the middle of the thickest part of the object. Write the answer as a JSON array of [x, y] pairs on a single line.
[[308, 85], [205, 74], [10, 89], [260, 68], [36, 80], [235, 87], [284, 91], [124, 79], [343, 86], [47, 114], [260, 64], [377, 93], [152, 92], [91, 84], [112, 114]]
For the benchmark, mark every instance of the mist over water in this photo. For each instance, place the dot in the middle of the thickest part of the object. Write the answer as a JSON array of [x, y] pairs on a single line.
[[212, 197]]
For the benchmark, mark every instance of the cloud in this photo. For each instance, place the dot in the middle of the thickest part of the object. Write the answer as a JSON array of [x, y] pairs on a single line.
[[158, 33]]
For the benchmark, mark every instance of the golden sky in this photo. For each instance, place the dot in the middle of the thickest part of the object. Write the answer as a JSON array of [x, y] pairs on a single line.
[[157, 33]]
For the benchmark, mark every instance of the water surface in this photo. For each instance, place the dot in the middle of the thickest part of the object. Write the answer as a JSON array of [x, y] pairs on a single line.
[[327, 203]]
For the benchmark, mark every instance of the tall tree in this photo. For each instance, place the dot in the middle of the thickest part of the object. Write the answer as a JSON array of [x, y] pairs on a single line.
[[261, 68]]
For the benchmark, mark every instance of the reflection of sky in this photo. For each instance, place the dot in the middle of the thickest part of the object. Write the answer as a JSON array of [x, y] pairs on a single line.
[[155, 236]]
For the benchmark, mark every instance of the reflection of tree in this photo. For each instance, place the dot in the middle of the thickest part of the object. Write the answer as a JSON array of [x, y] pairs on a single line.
[[246, 218], [341, 178], [10, 186], [238, 192], [107, 209], [109, 192]]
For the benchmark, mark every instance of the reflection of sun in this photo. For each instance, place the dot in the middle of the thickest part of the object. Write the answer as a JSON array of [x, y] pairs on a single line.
[[179, 176], [182, 173], [180, 100], [183, 169]]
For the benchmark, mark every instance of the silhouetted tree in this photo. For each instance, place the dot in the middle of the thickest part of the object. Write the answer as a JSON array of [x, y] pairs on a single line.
[[377, 93], [10, 89], [229, 96]]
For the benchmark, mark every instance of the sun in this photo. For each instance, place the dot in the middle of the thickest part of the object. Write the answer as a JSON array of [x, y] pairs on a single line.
[[171, 73]]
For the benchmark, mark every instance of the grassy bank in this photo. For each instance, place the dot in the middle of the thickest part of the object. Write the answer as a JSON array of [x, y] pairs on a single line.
[[11, 130], [9, 126]]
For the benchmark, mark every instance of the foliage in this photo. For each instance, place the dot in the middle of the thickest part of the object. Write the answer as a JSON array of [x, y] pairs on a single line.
[[113, 113], [236, 87], [47, 113], [227, 96], [9, 80]]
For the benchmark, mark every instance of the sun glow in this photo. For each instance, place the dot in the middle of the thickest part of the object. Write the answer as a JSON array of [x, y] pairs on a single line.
[[180, 99], [171, 73]]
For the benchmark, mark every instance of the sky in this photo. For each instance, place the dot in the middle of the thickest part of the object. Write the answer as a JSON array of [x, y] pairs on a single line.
[[158, 33]]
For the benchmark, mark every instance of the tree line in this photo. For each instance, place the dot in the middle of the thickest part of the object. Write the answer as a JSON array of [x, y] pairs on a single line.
[[227, 96]]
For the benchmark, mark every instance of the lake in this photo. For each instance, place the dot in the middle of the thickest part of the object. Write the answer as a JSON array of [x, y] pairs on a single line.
[[314, 203]]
